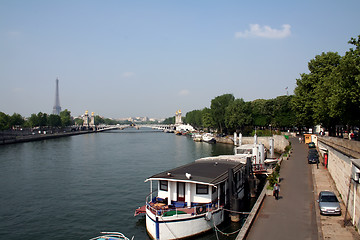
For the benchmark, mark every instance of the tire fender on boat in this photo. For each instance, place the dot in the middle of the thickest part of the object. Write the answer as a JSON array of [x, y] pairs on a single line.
[[201, 209]]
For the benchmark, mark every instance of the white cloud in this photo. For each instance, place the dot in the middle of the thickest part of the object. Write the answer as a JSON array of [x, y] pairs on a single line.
[[265, 32], [184, 92], [128, 74]]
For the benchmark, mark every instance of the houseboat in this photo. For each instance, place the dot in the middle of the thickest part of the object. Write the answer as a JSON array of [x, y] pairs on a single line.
[[191, 199], [255, 151]]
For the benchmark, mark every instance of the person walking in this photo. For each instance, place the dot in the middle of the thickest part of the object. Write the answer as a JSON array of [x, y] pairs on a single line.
[[276, 191]]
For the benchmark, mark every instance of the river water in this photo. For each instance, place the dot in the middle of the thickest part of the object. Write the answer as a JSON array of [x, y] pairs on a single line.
[[75, 187]]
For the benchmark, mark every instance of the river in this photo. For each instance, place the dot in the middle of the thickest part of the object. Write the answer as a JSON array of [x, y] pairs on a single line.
[[75, 187]]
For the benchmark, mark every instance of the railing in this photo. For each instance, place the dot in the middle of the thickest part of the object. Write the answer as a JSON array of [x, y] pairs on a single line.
[[259, 167], [162, 210]]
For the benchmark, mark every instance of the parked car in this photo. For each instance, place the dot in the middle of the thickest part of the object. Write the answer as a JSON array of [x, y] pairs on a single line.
[[313, 151], [328, 203], [313, 158], [312, 145]]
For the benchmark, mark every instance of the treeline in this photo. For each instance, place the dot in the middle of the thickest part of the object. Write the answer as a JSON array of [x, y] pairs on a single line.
[[52, 120], [329, 95], [35, 120], [227, 114]]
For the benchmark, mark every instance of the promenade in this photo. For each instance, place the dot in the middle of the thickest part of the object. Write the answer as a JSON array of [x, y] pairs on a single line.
[[296, 214]]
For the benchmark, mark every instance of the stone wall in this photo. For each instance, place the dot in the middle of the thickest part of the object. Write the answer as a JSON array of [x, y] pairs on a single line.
[[340, 153], [280, 142]]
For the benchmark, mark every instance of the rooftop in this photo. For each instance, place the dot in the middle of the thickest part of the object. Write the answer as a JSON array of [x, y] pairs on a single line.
[[205, 171]]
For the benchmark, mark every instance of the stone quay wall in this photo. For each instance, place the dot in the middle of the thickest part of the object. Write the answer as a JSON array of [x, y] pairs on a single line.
[[340, 152], [280, 142]]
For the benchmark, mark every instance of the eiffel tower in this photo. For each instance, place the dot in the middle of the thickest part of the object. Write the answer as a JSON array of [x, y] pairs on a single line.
[[57, 108]]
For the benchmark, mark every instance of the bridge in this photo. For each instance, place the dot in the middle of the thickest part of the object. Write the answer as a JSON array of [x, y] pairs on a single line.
[[162, 127]]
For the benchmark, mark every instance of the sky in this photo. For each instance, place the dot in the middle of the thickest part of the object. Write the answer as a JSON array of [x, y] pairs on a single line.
[[122, 58]]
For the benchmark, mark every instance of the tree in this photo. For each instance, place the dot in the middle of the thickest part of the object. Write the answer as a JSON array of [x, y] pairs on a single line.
[[170, 120], [79, 121], [207, 118], [16, 120], [261, 112], [42, 119], [344, 102], [194, 118], [65, 118], [99, 120], [283, 116], [54, 120], [4, 121], [33, 121], [218, 107], [238, 115]]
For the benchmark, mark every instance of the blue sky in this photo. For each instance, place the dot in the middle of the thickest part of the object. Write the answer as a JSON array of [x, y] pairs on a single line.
[[150, 58]]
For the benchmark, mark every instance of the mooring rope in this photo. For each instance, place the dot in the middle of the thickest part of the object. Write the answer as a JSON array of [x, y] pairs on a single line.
[[223, 233], [235, 211]]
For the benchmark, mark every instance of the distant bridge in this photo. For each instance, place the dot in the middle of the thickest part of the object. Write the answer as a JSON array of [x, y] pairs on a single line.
[[163, 127]]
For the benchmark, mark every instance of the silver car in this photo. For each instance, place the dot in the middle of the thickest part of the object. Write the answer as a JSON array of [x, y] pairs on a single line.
[[328, 203]]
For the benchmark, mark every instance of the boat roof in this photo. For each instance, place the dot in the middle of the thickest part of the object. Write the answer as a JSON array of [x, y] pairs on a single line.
[[205, 172]]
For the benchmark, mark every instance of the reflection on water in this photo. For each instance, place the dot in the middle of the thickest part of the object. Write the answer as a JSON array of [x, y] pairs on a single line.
[[75, 187]]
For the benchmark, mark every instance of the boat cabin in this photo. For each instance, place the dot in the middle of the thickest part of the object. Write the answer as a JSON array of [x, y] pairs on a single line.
[[255, 151], [187, 197]]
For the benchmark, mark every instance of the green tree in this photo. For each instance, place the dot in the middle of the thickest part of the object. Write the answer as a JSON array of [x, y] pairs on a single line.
[[170, 120], [99, 120], [42, 119], [194, 118], [207, 118], [33, 121], [79, 121], [218, 108], [16, 120], [238, 115], [261, 112], [283, 116], [54, 120], [344, 102], [4, 121], [65, 118]]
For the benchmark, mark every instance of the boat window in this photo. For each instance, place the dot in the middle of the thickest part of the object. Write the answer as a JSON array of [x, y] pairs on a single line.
[[202, 189], [213, 189], [164, 185]]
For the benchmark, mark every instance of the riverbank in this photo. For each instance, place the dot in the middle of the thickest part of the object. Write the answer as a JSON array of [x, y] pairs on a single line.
[[43, 136]]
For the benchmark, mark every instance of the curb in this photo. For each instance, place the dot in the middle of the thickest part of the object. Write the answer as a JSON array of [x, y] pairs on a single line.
[[249, 220]]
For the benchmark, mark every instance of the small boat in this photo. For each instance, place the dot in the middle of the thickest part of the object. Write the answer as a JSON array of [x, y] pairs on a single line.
[[197, 137], [209, 138], [191, 199], [111, 236]]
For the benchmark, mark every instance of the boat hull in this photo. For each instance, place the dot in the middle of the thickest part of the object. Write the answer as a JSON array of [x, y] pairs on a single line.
[[181, 226]]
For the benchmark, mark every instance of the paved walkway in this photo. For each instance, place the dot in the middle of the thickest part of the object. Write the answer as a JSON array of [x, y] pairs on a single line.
[[332, 227], [296, 214], [293, 215]]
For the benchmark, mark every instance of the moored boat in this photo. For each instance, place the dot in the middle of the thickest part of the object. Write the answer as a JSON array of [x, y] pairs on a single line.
[[111, 236], [191, 199], [209, 138]]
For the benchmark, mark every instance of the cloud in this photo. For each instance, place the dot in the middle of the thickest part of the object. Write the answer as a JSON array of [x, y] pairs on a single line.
[[128, 74], [265, 32], [184, 92]]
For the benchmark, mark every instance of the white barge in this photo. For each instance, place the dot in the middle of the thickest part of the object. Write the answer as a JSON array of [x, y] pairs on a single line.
[[191, 199]]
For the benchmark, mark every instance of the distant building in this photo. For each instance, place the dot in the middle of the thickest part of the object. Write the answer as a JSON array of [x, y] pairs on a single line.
[[178, 119], [57, 108]]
